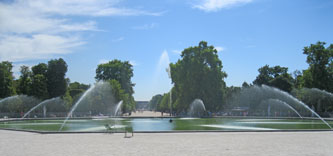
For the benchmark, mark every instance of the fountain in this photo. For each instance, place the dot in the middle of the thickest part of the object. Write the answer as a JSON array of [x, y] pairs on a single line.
[[41, 104], [197, 108], [270, 102], [11, 105], [320, 91], [299, 102], [252, 96], [9, 98], [75, 105], [118, 108], [168, 70], [98, 100]]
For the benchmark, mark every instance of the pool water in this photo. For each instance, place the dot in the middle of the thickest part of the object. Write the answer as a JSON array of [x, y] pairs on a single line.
[[164, 124]]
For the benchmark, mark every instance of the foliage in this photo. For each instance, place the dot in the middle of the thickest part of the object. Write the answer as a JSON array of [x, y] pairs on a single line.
[[245, 85], [120, 95], [315, 98], [164, 104], [232, 91], [76, 89], [320, 71], [24, 81], [119, 75], [6, 79], [198, 75], [154, 102], [41, 68], [276, 76], [117, 70], [68, 100], [39, 87], [56, 82]]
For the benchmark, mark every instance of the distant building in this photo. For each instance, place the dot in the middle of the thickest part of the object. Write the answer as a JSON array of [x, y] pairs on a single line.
[[141, 105]]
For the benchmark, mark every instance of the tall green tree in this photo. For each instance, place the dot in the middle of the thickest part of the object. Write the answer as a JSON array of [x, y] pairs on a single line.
[[39, 83], [6, 79], [24, 81], [154, 102], [276, 76], [56, 81], [40, 68], [320, 71], [117, 71], [120, 94], [198, 75], [39, 87], [164, 103]]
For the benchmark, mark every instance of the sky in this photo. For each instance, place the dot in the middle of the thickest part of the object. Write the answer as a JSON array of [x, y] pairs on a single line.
[[150, 34]]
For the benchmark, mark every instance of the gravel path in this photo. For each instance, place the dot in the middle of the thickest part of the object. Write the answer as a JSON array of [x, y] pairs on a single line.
[[168, 144]]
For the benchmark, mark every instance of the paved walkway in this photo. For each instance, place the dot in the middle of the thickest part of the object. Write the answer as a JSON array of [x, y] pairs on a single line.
[[168, 144]]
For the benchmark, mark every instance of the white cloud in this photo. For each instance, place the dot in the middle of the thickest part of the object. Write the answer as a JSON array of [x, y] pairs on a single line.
[[86, 8], [145, 27], [40, 29], [19, 19], [219, 49], [215, 5], [40, 46]]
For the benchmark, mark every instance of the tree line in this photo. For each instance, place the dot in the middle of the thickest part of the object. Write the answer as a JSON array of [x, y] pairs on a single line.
[[199, 74], [45, 81]]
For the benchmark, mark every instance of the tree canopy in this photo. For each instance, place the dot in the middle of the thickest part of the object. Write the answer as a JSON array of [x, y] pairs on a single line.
[[276, 76], [118, 74], [117, 70], [320, 71], [6, 79], [198, 75], [56, 81], [24, 81]]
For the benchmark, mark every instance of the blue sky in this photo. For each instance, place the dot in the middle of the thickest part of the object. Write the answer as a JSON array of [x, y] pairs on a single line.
[[247, 33]]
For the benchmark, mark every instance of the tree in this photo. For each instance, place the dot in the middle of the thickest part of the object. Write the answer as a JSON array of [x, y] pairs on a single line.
[[120, 94], [298, 79], [154, 102], [231, 91], [320, 71], [56, 81], [121, 72], [117, 70], [24, 81], [245, 85], [164, 103], [77, 88], [276, 76], [283, 82], [267, 74], [198, 75], [41, 68], [6, 79], [39, 87]]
